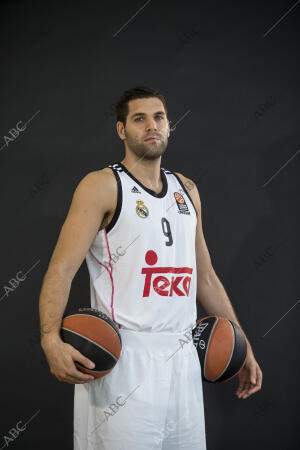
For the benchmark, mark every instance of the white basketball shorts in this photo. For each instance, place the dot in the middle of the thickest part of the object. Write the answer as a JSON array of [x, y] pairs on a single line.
[[151, 400]]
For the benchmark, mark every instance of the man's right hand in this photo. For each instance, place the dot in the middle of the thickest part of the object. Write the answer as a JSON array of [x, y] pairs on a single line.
[[61, 357]]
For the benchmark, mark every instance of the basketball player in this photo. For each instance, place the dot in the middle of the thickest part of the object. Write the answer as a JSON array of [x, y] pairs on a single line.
[[139, 227]]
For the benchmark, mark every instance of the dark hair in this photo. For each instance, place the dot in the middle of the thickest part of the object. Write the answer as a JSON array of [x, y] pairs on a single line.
[[138, 92]]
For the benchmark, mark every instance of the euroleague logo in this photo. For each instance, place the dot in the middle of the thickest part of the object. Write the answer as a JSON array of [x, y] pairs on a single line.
[[175, 281], [182, 206]]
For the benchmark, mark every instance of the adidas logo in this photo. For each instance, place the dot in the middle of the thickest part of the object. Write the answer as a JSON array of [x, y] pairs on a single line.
[[135, 190]]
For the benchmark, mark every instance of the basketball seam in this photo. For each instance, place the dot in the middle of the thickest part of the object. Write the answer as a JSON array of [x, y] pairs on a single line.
[[81, 335], [107, 320]]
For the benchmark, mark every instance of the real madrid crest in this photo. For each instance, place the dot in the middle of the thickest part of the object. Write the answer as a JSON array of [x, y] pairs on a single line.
[[141, 209]]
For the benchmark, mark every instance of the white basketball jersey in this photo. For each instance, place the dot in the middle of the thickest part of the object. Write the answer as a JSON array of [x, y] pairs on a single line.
[[142, 266]]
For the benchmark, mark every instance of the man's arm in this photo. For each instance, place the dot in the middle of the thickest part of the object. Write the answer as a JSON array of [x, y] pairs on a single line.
[[210, 291], [212, 296], [91, 200]]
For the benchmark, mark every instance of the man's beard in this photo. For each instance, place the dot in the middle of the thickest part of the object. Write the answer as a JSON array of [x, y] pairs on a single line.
[[146, 150]]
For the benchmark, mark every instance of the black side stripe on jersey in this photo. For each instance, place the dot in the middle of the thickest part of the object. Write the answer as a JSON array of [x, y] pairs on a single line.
[[119, 200], [185, 190]]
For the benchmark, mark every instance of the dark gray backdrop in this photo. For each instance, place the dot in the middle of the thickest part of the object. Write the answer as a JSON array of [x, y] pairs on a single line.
[[230, 73]]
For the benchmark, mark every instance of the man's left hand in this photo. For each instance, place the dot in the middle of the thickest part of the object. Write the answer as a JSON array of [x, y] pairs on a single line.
[[250, 377]]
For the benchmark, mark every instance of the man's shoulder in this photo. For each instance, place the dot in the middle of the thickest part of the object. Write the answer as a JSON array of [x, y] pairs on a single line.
[[99, 182], [182, 177], [100, 176], [187, 182]]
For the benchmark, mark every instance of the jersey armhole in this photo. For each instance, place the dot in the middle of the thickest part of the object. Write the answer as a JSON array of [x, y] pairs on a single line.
[[185, 190], [119, 202]]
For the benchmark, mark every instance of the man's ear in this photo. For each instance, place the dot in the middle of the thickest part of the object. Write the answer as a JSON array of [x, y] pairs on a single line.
[[120, 130]]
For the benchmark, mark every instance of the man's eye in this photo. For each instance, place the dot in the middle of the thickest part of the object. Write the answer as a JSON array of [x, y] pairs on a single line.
[[138, 118]]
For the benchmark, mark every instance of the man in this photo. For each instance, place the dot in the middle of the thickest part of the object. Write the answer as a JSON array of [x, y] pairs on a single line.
[[139, 227]]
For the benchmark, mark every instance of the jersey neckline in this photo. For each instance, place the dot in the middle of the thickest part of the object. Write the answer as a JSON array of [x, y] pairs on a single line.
[[161, 194]]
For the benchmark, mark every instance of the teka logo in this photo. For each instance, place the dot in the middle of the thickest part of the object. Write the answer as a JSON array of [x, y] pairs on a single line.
[[166, 285]]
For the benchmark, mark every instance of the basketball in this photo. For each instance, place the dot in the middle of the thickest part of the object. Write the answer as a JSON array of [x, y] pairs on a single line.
[[94, 335], [221, 347]]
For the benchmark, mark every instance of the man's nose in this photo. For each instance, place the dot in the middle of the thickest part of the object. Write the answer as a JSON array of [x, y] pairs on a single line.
[[151, 124]]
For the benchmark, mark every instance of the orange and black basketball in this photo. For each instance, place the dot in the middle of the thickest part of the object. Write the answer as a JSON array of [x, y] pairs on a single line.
[[94, 335], [221, 347]]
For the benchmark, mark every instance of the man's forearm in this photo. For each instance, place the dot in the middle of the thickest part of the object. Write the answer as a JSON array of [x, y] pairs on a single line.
[[52, 303], [213, 298]]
